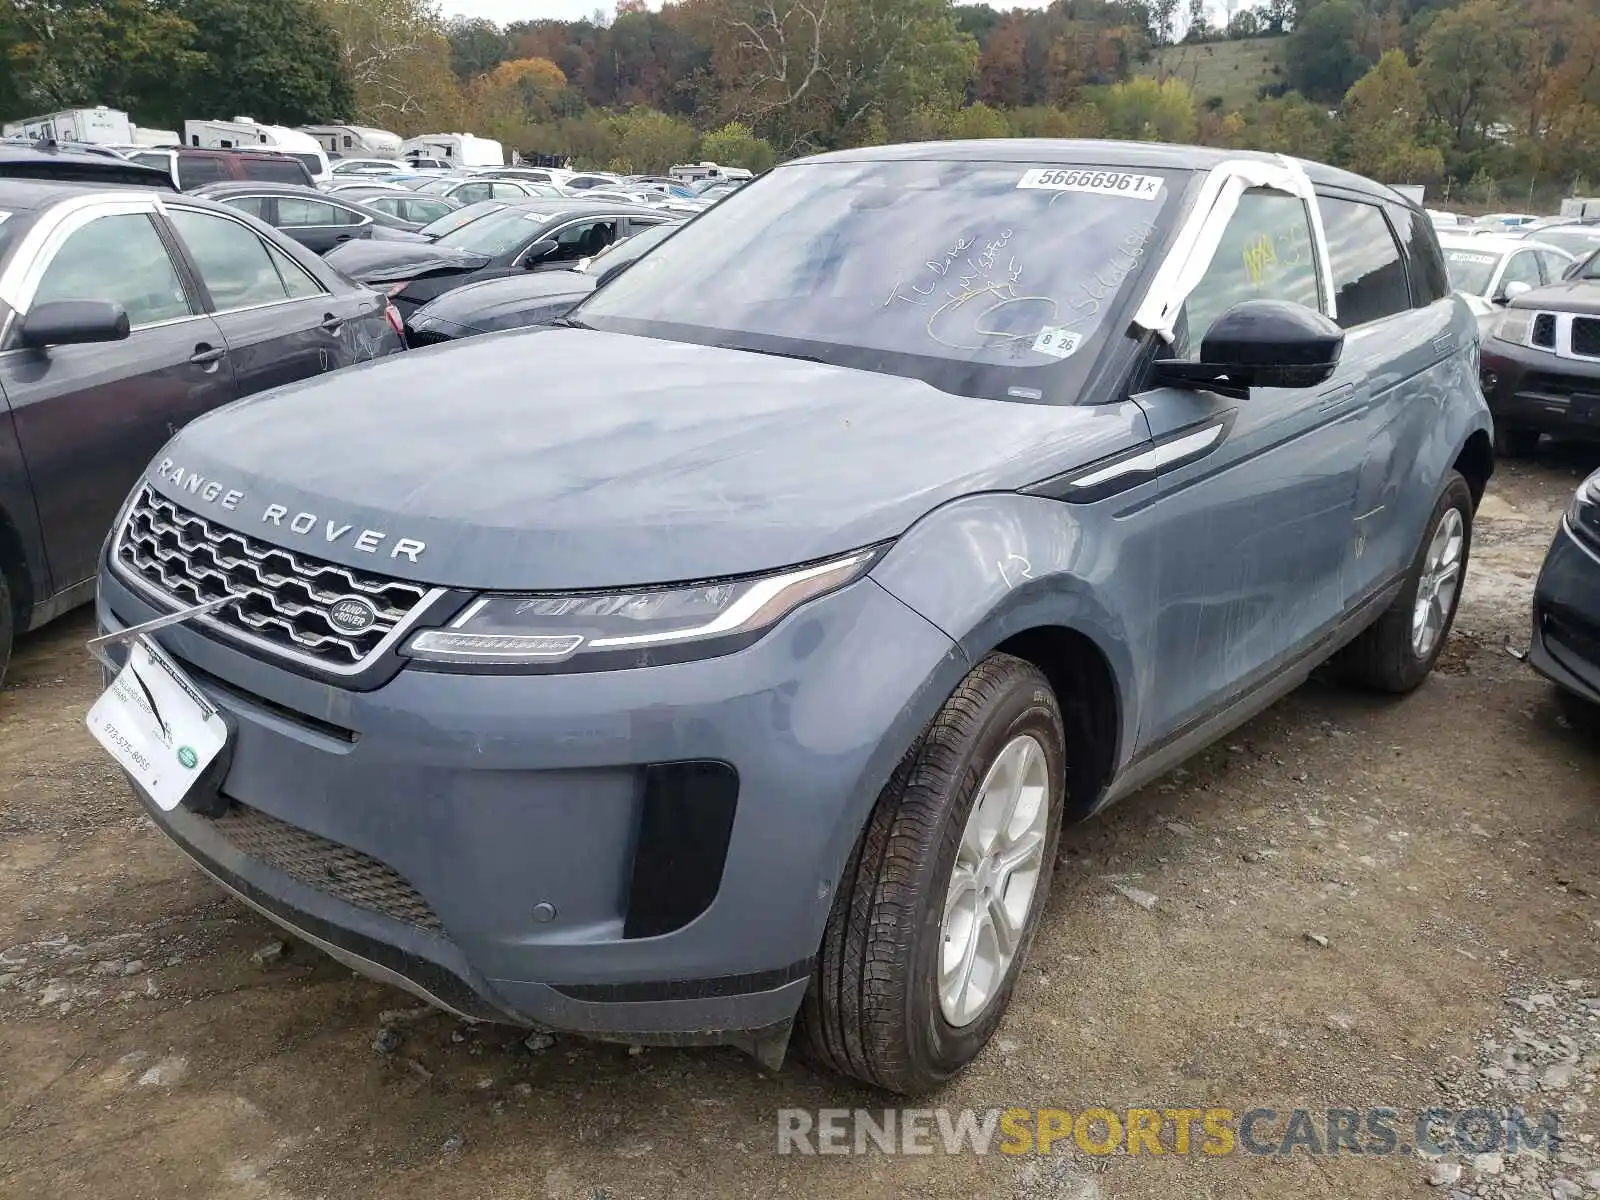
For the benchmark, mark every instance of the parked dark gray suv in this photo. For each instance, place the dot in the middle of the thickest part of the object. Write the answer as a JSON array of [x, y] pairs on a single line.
[[735, 652]]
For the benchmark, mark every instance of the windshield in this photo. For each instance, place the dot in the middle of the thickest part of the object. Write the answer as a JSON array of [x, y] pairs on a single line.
[[1470, 270], [980, 278], [453, 221], [1573, 241], [496, 234]]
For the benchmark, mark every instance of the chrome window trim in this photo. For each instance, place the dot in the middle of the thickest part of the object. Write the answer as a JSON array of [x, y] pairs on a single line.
[[38, 247]]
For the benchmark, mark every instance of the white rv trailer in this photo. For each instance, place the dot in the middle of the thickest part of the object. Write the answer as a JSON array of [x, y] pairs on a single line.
[[355, 141], [694, 172], [100, 125], [456, 149], [242, 133]]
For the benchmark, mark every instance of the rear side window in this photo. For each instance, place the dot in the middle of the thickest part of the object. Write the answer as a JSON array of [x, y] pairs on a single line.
[[297, 213], [1429, 279], [256, 206], [232, 261], [1265, 254], [296, 278], [192, 172], [274, 170], [1369, 278]]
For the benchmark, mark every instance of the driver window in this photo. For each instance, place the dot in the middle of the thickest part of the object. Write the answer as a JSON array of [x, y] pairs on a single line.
[[1523, 268], [583, 240], [119, 258], [1265, 254]]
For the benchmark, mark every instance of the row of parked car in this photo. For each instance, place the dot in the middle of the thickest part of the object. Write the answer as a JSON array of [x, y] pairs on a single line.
[[751, 629]]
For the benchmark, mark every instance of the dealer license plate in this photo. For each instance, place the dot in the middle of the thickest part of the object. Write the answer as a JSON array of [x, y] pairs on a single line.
[[157, 725]]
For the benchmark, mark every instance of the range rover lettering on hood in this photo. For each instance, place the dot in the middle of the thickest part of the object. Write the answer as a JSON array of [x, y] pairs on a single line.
[[369, 541]]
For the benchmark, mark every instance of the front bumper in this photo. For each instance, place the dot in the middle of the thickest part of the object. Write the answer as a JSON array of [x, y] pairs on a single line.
[[1566, 614], [478, 838], [1536, 389]]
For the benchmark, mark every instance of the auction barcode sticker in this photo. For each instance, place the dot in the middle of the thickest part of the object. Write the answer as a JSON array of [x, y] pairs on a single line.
[[1101, 183]]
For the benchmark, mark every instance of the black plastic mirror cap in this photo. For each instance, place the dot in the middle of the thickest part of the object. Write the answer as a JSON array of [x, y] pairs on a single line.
[[1273, 343], [74, 322]]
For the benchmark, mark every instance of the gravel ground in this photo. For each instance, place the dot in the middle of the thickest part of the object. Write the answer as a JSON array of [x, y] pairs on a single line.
[[1349, 903]]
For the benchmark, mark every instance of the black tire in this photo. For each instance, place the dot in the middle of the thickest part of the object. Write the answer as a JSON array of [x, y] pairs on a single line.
[[8, 620], [1515, 441], [1383, 657], [873, 1009]]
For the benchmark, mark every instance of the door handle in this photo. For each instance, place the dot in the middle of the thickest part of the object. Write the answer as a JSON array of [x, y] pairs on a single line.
[[205, 356], [331, 323], [344, 237]]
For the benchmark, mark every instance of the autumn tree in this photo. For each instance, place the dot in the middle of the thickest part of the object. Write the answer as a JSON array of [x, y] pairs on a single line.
[[806, 71], [477, 46], [736, 145], [1385, 112], [71, 53], [1324, 57], [517, 94], [1468, 62], [1147, 111], [396, 55]]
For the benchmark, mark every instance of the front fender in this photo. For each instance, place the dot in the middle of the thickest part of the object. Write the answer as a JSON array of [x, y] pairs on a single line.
[[987, 567]]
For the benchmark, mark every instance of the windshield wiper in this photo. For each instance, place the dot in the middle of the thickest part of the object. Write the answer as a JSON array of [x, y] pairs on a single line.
[[811, 358], [571, 323]]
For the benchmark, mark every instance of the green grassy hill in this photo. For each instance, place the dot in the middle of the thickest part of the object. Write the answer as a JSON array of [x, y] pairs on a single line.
[[1232, 70]]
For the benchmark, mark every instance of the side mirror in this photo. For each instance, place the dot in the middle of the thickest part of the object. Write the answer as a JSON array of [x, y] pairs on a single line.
[[538, 252], [73, 322], [1512, 290], [1260, 343]]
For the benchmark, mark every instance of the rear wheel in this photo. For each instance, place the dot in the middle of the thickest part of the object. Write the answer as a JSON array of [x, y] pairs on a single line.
[[1398, 650], [1515, 441], [940, 899]]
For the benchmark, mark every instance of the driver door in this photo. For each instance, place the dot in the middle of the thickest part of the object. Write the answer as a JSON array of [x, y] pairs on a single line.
[[89, 418], [1255, 522]]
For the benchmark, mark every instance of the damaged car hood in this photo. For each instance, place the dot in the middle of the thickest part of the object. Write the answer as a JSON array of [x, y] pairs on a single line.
[[562, 458]]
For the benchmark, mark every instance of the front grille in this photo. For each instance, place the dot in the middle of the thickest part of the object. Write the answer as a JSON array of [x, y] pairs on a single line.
[[341, 872], [284, 599], [1586, 336], [1544, 330]]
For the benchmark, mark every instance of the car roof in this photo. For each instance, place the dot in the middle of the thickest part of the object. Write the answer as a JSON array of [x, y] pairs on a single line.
[[1096, 151], [23, 196], [96, 170], [230, 187], [1495, 243]]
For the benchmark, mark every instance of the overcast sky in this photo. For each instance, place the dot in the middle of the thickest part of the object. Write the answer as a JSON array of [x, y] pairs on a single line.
[[504, 11]]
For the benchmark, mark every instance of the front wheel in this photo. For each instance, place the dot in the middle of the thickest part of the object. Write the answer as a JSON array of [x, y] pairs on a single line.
[[940, 899], [1398, 650]]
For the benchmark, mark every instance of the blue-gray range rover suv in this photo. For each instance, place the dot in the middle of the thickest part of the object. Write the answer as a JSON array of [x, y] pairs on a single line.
[[723, 663]]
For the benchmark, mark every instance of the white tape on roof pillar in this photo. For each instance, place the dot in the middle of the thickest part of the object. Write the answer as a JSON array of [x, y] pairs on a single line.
[[1196, 244]]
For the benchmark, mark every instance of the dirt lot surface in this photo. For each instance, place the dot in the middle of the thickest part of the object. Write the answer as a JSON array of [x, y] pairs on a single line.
[[1444, 848]]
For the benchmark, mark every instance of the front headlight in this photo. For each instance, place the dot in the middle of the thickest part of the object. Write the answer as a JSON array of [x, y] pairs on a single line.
[[1515, 326], [1585, 506], [643, 627]]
